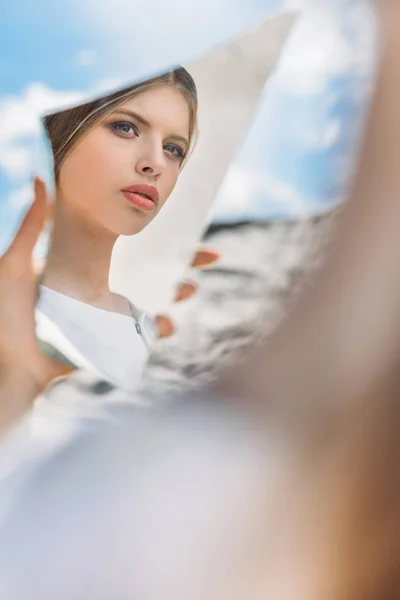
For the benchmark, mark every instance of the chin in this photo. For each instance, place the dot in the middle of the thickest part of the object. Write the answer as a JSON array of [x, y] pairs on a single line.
[[132, 228]]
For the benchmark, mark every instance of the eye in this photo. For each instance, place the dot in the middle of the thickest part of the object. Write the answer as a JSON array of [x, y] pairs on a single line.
[[176, 151], [124, 128]]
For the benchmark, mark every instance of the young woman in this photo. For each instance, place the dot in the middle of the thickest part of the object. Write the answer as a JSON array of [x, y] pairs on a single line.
[[116, 162], [328, 382]]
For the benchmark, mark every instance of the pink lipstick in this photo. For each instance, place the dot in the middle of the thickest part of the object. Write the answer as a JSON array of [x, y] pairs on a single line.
[[144, 197]]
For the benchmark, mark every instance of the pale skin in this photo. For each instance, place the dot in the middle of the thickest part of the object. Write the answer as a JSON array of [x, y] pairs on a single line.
[[143, 141], [334, 350]]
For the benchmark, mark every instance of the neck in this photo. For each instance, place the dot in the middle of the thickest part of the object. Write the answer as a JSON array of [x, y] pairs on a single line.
[[79, 257]]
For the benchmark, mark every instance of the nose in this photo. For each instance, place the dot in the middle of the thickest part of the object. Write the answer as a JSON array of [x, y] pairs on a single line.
[[151, 162]]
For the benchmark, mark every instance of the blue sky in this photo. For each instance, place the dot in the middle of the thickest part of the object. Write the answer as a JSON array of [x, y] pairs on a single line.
[[297, 157]]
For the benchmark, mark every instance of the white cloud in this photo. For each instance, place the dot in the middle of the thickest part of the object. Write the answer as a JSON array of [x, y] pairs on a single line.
[[331, 38], [15, 160], [21, 197], [86, 58], [331, 133], [18, 202], [20, 125], [247, 194], [173, 18], [104, 87], [323, 138], [165, 32]]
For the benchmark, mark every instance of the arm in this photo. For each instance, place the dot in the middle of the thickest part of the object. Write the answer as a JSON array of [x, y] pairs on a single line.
[[346, 328]]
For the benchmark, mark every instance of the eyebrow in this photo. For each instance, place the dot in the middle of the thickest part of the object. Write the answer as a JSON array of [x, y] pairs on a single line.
[[145, 123]]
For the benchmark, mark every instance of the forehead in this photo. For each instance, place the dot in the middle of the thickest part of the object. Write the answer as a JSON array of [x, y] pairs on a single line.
[[164, 107]]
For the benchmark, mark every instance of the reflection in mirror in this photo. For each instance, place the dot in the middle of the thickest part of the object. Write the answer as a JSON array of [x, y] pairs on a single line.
[[242, 299], [270, 222], [117, 160]]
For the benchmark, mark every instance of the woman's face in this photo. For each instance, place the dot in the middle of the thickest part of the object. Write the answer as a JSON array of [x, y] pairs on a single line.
[[122, 172]]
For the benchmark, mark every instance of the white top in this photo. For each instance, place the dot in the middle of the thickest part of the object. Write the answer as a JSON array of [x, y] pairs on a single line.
[[108, 346], [113, 343]]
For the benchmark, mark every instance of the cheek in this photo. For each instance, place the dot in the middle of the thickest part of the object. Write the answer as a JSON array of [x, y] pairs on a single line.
[[91, 169], [169, 182]]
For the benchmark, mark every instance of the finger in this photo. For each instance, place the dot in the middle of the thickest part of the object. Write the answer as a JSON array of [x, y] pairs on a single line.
[[165, 326], [204, 258], [50, 210], [185, 290], [32, 224], [48, 369]]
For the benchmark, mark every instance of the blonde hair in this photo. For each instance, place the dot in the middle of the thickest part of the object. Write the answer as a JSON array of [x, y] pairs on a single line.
[[66, 128]]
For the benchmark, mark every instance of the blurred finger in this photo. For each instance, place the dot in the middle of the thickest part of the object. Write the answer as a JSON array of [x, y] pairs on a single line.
[[185, 290], [50, 211], [204, 258], [165, 326], [32, 224]]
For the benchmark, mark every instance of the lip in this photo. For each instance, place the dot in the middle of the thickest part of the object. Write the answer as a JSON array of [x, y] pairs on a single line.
[[147, 190]]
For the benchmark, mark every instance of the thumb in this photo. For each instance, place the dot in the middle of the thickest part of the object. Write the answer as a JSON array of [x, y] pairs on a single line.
[[32, 224]]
